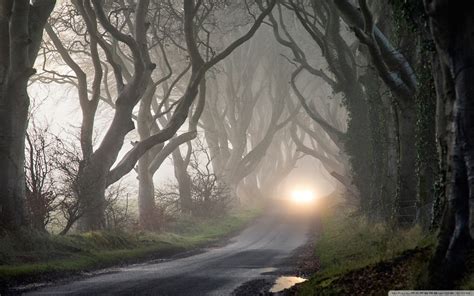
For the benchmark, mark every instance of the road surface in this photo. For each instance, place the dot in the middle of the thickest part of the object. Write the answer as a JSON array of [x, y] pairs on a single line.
[[257, 252]]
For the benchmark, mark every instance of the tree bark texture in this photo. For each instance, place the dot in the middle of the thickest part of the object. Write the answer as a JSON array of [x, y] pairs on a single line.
[[21, 31], [407, 197], [452, 26]]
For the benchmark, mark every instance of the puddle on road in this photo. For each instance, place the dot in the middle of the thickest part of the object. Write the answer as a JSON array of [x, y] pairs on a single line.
[[267, 270], [285, 282]]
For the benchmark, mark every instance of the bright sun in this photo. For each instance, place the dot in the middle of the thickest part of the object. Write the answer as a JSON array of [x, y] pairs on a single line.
[[303, 196]]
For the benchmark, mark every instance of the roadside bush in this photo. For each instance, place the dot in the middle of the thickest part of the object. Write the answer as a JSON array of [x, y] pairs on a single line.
[[209, 196], [51, 168], [42, 196]]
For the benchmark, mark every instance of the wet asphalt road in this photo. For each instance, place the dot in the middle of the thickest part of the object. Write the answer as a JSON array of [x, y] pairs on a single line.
[[260, 251]]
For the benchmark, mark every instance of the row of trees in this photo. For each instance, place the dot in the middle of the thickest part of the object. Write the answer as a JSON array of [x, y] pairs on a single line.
[[399, 82], [368, 90], [128, 39]]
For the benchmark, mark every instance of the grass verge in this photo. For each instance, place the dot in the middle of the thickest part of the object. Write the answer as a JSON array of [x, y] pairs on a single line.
[[31, 257], [361, 258]]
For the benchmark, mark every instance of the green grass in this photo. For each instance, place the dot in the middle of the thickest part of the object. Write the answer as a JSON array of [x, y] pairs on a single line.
[[348, 243], [29, 256], [350, 247]]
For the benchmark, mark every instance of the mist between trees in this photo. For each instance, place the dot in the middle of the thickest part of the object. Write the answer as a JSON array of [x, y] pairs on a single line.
[[238, 94]]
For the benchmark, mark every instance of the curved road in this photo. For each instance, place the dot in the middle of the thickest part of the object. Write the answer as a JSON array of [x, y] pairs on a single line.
[[257, 252]]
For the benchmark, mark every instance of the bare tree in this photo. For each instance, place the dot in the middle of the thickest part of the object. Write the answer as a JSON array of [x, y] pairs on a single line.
[[279, 160], [67, 158], [247, 95], [337, 65], [209, 197], [21, 32], [97, 170], [342, 74], [42, 194]]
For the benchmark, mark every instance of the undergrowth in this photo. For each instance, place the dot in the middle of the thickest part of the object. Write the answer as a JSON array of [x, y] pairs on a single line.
[[369, 258], [30, 256], [351, 242]]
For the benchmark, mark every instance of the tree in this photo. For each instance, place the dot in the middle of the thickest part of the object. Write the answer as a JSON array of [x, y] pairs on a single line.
[[335, 65], [279, 160], [100, 167], [398, 74], [248, 94], [21, 32], [452, 27]]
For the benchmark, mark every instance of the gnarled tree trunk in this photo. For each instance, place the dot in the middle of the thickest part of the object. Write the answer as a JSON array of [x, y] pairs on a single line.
[[452, 25], [21, 31]]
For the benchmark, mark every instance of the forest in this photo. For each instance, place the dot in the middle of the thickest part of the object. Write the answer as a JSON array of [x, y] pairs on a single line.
[[218, 147]]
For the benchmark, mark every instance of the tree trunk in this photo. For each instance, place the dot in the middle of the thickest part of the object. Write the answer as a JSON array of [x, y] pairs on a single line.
[[211, 134], [391, 174], [13, 124], [452, 27], [91, 185], [233, 192], [407, 203], [252, 191], [146, 194], [146, 125], [462, 67], [184, 182], [445, 97], [21, 31]]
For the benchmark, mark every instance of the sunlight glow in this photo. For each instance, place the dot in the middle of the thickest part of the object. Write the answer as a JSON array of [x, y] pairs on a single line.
[[303, 196]]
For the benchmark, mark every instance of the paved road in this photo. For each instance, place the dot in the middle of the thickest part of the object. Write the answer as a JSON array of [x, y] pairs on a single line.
[[259, 250]]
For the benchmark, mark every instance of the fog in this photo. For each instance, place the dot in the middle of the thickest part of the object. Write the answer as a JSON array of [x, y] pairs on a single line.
[[243, 87], [237, 145]]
